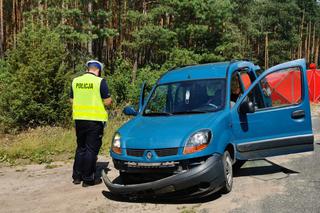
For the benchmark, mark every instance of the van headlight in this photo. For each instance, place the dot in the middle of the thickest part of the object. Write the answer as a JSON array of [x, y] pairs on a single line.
[[197, 141], [116, 144]]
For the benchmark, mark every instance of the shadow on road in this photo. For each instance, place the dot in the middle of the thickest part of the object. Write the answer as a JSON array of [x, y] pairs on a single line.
[[265, 168], [162, 200]]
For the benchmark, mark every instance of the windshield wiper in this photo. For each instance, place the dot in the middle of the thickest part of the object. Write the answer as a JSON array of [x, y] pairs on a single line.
[[158, 114]]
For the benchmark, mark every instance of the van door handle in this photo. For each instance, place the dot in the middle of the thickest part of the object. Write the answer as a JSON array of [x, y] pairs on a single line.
[[298, 114]]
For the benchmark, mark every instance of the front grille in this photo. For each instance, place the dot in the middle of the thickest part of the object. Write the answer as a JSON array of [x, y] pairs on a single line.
[[135, 152], [166, 152], [159, 152]]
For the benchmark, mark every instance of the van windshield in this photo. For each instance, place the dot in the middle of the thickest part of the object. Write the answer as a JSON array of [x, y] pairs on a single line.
[[187, 97]]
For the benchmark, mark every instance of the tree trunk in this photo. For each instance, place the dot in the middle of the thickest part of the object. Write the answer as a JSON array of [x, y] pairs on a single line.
[[46, 9], [14, 30], [90, 24], [306, 43], [266, 52], [64, 7], [21, 14], [1, 30], [124, 21], [313, 43], [301, 36], [144, 7], [134, 69], [309, 42], [316, 54]]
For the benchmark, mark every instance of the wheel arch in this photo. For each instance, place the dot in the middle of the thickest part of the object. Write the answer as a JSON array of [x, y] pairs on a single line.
[[232, 151]]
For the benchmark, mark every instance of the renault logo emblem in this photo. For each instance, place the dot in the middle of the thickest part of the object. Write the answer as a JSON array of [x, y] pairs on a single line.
[[149, 155]]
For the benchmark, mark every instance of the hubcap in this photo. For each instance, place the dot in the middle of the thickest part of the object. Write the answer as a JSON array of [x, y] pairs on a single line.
[[229, 170]]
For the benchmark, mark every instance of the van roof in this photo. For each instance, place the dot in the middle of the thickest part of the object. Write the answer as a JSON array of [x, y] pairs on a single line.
[[194, 72], [203, 71]]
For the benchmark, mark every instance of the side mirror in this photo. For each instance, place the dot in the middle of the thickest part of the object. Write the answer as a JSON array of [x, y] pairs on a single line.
[[247, 107], [129, 110]]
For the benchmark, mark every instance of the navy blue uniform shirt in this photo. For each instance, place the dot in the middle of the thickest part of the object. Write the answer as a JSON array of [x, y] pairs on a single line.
[[104, 90]]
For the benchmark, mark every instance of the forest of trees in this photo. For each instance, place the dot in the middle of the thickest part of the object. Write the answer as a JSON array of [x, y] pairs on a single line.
[[44, 44]]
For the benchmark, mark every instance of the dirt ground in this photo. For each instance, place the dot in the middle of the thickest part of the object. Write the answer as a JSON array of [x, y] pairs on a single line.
[[41, 188]]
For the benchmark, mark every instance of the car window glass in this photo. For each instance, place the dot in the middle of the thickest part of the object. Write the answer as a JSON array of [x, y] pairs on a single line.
[[278, 89], [160, 95], [187, 96], [235, 89]]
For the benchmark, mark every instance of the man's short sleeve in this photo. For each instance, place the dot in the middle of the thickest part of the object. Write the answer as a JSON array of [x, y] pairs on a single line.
[[104, 90], [71, 93]]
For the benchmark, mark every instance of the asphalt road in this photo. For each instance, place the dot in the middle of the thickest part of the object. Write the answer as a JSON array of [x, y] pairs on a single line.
[[302, 192], [302, 185]]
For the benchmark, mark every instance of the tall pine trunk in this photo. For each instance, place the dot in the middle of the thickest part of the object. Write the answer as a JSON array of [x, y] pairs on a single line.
[[266, 52], [306, 43], [313, 43], [14, 31], [301, 36], [1, 30], [309, 42], [90, 25], [316, 54]]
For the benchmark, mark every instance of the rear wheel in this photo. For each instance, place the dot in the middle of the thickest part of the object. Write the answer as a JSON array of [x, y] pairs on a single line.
[[228, 172]]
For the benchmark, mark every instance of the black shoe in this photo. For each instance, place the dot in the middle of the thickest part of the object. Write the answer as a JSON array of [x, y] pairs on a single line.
[[91, 183], [76, 181]]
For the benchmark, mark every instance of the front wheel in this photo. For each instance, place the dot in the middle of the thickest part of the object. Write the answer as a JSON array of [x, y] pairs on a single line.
[[228, 173]]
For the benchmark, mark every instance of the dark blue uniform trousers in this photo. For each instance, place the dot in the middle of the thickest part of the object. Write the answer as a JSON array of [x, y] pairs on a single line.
[[89, 140]]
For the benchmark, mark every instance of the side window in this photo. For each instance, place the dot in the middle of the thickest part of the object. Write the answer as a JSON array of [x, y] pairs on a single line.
[[235, 89], [278, 89]]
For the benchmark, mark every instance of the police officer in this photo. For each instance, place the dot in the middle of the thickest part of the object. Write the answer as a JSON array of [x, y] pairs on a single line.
[[89, 95]]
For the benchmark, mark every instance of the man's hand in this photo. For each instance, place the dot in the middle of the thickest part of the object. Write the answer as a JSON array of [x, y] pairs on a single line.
[[107, 101]]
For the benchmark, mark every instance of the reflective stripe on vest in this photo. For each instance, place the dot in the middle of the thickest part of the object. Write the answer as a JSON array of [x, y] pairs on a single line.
[[87, 101]]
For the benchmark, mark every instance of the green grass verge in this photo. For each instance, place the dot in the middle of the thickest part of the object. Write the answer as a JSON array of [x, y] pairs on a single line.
[[47, 144]]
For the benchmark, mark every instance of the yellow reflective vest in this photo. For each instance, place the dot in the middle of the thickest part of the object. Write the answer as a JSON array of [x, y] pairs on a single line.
[[87, 101]]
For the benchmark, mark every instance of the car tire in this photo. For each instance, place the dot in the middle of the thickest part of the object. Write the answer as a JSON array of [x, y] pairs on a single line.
[[228, 172]]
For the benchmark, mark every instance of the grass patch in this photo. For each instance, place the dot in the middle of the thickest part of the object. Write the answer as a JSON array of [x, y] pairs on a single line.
[[48, 144], [51, 166], [21, 170], [188, 211]]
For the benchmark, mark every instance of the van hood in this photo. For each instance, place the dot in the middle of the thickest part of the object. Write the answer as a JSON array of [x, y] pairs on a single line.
[[145, 132]]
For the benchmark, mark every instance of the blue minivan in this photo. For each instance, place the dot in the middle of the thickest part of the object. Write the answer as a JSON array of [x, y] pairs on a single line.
[[199, 121]]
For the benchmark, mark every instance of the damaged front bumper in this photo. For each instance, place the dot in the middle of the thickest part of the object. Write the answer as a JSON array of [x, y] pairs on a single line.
[[205, 178]]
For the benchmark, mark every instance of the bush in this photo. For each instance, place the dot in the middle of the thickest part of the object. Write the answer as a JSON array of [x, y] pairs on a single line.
[[34, 81], [123, 89]]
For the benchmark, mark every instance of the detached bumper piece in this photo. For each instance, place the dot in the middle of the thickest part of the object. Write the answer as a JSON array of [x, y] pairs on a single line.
[[201, 180]]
